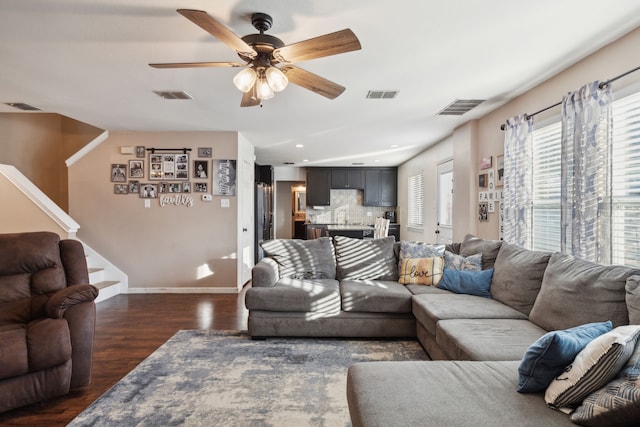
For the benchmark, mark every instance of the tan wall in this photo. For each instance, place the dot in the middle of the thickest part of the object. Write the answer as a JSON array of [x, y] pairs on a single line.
[[19, 214], [37, 144], [157, 247]]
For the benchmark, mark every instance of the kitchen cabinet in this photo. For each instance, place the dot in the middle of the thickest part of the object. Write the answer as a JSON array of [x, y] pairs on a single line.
[[394, 230], [381, 187], [318, 187], [347, 178]]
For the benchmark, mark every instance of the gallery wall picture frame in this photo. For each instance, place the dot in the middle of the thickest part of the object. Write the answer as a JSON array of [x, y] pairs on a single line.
[[201, 169], [120, 189], [175, 187], [204, 152], [499, 170], [186, 187], [200, 187], [163, 187], [140, 151], [483, 211], [134, 187], [482, 180], [224, 177], [486, 162], [118, 172], [136, 168], [170, 166], [148, 190]]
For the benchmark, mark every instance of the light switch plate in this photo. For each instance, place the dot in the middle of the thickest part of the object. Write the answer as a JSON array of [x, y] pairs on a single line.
[[147, 203], [224, 203]]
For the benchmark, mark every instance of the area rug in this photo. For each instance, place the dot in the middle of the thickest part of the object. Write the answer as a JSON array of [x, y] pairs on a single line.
[[223, 378]]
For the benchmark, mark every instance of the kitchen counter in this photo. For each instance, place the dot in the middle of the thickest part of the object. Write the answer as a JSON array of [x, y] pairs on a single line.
[[357, 231], [349, 227]]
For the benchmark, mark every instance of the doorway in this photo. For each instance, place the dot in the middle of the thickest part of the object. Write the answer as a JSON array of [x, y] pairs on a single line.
[[444, 227]]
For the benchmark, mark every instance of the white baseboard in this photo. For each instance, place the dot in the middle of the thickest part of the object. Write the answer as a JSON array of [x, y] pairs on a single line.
[[182, 291]]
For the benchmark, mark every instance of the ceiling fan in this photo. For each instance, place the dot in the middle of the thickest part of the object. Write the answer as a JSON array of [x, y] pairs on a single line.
[[260, 77]]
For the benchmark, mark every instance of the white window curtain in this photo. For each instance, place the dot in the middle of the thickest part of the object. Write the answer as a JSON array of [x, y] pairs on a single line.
[[517, 181], [586, 173]]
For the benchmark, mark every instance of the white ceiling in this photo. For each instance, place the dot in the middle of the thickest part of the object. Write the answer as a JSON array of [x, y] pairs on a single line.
[[88, 60]]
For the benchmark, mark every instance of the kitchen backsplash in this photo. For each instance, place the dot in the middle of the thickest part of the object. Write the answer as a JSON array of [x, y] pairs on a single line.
[[346, 208]]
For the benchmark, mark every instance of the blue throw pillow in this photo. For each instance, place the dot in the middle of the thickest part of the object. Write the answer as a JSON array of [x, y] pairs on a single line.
[[553, 352], [467, 282]]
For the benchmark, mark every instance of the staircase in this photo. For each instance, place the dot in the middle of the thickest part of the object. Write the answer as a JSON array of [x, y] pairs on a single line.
[[105, 276]]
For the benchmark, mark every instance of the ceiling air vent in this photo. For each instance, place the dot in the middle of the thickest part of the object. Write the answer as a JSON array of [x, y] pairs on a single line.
[[460, 106], [23, 106], [172, 94], [382, 94]]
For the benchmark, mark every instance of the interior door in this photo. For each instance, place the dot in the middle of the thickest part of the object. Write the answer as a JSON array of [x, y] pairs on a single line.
[[444, 227]]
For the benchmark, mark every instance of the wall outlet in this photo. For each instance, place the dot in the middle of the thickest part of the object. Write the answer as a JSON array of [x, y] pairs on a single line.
[[369, 214]]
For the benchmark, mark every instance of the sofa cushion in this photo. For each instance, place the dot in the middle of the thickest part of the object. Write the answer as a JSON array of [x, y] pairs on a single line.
[[596, 365], [375, 296], [459, 262], [443, 393], [467, 282], [48, 343], [429, 309], [551, 354], [303, 259], [633, 299], [421, 289], [486, 339], [518, 276], [14, 359], [472, 245], [366, 259], [617, 403], [319, 295], [597, 293], [421, 271]]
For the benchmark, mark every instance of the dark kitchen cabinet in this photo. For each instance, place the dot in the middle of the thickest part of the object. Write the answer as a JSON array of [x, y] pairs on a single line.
[[318, 187], [381, 187], [347, 178]]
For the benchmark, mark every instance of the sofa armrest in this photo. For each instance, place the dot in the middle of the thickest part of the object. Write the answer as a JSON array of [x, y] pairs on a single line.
[[265, 273], [69, 297]]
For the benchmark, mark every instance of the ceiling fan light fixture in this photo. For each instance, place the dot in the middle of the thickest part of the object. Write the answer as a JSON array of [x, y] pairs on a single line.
[[276, 79], [245, 79], [263, 90]]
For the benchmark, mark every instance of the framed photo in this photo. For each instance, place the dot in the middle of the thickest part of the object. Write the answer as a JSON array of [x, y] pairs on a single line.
[[182, 166], [500, 171], [163, 187], [224, 178], [486, 162], [120, 189], [140, 149], [118, 172], [172, 166], [175, 187], [186, 187], [482, 180], [148, 191], [204, 152], [491, 180], [201, 169], [483, 211], [136, 168], [200, 187], [134, 187]]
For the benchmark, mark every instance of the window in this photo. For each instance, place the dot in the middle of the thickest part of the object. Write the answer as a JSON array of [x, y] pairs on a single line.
[[415, 198], [625, 184]]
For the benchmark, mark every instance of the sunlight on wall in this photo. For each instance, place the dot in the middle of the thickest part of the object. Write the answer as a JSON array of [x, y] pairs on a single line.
[[204, 271]]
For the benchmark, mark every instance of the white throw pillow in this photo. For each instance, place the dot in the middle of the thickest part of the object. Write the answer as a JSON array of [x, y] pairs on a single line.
[[593, 367]]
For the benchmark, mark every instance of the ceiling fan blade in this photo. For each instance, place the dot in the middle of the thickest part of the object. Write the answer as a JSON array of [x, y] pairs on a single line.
[[218, 30], [197, 64], [318, 47], [312, 82], [249, 98]]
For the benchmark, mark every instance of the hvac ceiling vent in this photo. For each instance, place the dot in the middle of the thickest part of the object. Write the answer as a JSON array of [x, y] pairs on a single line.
[[22, 106], [382, 94], [172, 94], [460, 106]]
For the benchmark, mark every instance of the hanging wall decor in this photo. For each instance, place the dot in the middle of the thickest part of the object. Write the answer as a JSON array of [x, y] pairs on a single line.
[[224, 176]]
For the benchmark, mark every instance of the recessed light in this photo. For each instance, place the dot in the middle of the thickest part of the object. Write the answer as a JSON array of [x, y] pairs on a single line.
[[394, 146], [305, 160], [299, 145], [376, 161]]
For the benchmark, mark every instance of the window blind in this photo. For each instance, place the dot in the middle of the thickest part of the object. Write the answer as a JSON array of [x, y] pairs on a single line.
[[415, 197]]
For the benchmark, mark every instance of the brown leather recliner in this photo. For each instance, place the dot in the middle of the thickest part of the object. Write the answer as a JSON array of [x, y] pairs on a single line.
[[47, 318]]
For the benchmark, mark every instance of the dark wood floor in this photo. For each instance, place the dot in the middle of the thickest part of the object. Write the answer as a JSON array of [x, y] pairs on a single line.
[[128, 329]]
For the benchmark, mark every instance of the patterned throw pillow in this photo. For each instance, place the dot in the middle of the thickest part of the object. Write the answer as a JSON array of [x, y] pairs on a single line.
[[459, 262], [593, 367], [618, 403], [421, 271]]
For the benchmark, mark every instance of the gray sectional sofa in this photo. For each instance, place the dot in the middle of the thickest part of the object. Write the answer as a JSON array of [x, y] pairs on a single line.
[[476, 343]]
